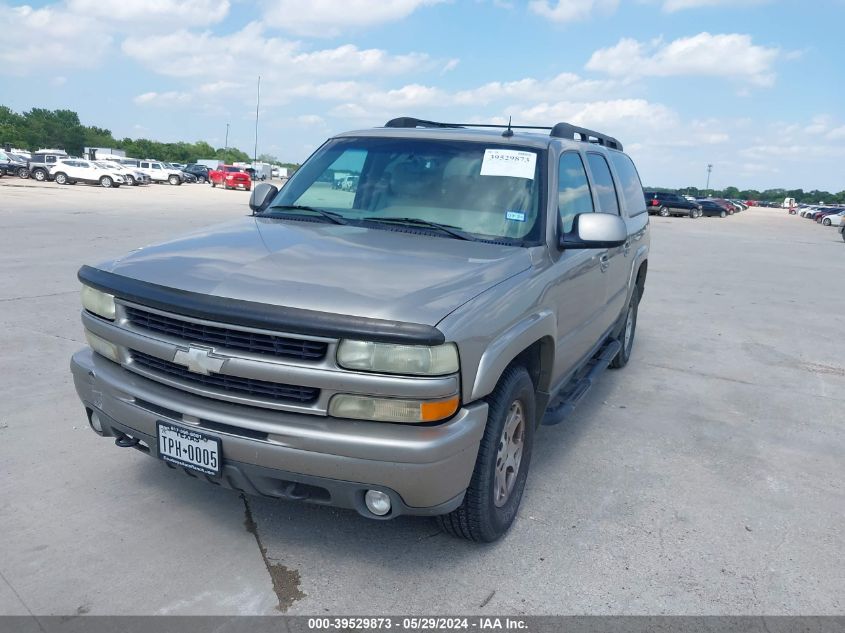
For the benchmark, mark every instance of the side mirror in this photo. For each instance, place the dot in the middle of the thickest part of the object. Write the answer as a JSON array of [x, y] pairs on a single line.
[[261, 196], [595, 230]]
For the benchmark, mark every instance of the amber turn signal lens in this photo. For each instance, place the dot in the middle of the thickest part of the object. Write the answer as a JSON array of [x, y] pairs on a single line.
[[433, 411]]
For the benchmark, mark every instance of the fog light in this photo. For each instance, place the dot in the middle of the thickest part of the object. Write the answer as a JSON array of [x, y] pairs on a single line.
[[96, 423], [377, 502]]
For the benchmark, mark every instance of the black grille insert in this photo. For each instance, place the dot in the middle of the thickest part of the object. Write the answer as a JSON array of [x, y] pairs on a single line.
[[231, 384], [224, 337]]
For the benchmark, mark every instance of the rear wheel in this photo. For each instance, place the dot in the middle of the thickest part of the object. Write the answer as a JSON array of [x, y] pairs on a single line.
[[60, 178], [723, 214], [626, 338], [106, 182], [213, 184], [826, 222], [201, 180], [492, 499], [664, 212], [23, 172], [40, 175], [130, 180], [174, 180]]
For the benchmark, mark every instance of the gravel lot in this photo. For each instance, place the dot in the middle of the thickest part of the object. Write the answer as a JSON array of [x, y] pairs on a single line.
[[705, 478]]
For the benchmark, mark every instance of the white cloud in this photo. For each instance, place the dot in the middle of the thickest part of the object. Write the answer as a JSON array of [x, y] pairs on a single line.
[[163, 99], [328, 18], [449, 66], [163, 12], [722, 55], [49, 37], [680, 5], [571, 10]]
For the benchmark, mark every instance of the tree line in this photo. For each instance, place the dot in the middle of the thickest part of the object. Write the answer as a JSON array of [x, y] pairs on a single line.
[[814, 196], [61, 129]]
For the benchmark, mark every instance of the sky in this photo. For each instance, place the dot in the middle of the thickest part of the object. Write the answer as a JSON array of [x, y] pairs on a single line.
[[756, 88]]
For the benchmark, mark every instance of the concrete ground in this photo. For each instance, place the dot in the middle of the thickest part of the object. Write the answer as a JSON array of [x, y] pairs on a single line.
[[705, 478]]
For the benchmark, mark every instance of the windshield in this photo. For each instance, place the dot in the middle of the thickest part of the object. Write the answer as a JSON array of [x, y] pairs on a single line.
[[486, 190]]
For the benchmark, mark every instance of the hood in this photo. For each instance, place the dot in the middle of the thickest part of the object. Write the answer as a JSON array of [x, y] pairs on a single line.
[[401, 276]]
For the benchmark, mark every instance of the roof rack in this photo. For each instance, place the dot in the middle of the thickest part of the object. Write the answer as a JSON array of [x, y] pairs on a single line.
[[560, 130]]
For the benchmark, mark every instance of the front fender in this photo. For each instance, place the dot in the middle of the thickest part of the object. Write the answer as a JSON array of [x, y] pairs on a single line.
[[507, 346]]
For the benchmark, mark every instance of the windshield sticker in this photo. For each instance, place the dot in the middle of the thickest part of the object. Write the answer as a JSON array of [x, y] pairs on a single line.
[[508, 162], [519, 216]]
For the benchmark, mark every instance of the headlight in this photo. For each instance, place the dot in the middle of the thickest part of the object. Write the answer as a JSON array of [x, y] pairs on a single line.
[[102, 346], [391, 409], [414, 360], [99, 303]]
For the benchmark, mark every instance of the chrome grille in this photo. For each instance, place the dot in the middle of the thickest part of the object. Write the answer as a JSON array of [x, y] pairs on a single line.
[[230, 384]]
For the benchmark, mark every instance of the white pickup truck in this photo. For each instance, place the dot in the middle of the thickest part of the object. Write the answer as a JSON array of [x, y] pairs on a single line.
[[156, 170]]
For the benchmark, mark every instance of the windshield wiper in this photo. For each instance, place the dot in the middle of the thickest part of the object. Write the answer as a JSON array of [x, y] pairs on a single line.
[[454, 231], [337, 218]]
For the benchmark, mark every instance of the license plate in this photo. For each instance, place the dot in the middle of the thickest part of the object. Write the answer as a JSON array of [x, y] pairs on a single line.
[[189, 448]]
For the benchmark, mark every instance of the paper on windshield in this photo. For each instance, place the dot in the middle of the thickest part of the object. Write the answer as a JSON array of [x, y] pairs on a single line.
[[508, 162]]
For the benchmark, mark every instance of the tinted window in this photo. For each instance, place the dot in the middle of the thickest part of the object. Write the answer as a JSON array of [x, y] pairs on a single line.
[[573, 189], [605, 189], [629, 181]]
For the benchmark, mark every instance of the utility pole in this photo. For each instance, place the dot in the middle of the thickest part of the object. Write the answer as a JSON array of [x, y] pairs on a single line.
[[709, 169], [226, 144], [257, 103]]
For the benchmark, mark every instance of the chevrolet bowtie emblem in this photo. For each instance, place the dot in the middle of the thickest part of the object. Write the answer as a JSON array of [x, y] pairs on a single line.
[[199, 361]]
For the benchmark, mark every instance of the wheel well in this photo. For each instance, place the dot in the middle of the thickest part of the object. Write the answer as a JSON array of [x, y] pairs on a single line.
[[641, 273], [538, 359]]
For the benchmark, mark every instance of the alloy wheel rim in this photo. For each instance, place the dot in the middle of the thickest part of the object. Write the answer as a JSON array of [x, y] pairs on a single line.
[[509, 455]]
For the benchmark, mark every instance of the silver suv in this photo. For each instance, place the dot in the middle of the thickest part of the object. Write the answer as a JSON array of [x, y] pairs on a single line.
[[391, 348]]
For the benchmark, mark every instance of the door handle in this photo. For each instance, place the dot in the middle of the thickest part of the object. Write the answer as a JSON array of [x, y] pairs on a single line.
[[604, 262], [627, 247]]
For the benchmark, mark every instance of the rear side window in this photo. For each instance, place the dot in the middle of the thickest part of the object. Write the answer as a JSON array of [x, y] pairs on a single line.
[[605, 189], [629, 181], [573, 189]]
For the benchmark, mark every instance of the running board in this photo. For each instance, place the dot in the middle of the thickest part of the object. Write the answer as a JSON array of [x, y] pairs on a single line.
[[570, 396]]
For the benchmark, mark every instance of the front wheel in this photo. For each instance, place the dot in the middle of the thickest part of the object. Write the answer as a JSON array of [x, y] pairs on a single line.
[[130, 180], [106, 182], [492, 499], [664, 212], [174, 180], [201, 180], [60, 178], [23, 172], [40, 175], [826, 222], [213, 184], [723, 214], [626, 338]]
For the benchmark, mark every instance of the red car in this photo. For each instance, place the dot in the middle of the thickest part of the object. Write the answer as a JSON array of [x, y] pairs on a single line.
[[230, 177]]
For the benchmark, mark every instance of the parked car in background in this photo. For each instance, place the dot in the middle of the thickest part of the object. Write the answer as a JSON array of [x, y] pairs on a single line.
[[72, 170], [834, 219], [823, 216], [711, 208], [666, 204], [42, 161], [200, 171], [130, 176], [156, 170], [230, 177], [13, 165], [727, 206]]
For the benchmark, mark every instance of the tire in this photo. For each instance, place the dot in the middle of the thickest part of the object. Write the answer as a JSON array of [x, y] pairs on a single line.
[[213, 184], [664, 212], [626, 337], [130, 180], [106, 182], [723, 214], [492, 499], [60, 178], [174, 180], [201, 180], [40, 175], [826, 222], [23, 172]]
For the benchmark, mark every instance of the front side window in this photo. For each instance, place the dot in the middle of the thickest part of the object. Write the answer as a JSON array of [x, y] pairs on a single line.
[[484, 191], [156, 166], [605, 189], [573, 189]]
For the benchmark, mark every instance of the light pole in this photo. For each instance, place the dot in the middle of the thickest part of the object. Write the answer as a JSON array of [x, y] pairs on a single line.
[[707, 187], [226, 144]]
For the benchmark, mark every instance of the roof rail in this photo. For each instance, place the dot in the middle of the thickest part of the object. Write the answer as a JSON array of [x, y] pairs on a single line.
[[561, 130], [572, 132]]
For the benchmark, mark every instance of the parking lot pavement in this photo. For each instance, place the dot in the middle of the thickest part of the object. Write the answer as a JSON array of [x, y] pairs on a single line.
[[704, 478]]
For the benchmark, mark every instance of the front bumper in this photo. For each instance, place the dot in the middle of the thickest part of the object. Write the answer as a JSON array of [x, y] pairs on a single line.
[[424, 469]]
